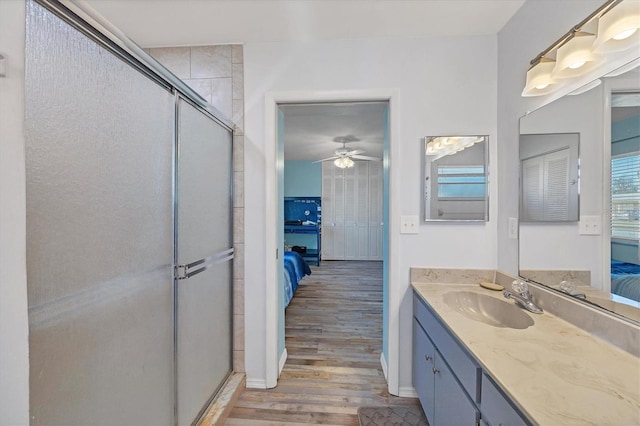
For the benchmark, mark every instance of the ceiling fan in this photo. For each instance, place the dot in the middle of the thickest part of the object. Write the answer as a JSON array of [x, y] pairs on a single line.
[[343, 156]]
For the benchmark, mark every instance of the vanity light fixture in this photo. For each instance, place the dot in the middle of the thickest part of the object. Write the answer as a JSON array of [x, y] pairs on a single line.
[[576, 56], [343, 162], [611, 29], [619, 29], [539, 79]]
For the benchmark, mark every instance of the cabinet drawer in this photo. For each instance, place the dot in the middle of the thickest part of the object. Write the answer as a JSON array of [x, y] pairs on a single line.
[[496, 409], [467, 370]]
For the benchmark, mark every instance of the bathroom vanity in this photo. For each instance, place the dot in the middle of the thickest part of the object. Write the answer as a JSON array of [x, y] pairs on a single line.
[[473, 365]]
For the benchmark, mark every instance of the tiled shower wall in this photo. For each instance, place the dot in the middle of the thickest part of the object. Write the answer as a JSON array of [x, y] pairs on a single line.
[[217, 74]]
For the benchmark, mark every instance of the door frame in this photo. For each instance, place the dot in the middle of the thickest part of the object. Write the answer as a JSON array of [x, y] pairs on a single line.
[[272, 99]]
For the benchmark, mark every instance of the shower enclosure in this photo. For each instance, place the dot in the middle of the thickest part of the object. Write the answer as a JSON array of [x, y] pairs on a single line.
[[129, 231]]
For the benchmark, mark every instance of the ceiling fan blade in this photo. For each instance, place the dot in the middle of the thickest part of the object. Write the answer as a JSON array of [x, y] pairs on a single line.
[[355, 152], [326, 159], [364, 157]]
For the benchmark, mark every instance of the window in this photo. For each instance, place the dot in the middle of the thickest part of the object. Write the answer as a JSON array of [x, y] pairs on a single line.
[[625, 196], [461, 182]]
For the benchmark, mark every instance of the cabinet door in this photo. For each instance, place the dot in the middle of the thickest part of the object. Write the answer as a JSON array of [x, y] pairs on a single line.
[[496, 408], [452, 405], [422, 369]]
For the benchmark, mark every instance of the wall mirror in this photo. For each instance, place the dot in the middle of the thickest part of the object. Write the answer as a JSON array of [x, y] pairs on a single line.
[[597, 256], [456, 178]]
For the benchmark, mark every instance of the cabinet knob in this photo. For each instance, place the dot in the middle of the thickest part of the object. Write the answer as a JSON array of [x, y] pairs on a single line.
[[428, 357], [435, 370]]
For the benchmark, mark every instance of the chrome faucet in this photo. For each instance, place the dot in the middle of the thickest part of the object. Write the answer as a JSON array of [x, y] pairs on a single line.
[[569, 288], [522, 296]]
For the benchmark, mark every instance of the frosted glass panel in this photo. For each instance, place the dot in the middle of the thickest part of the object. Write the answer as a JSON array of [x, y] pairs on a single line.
[[204, 185], [204, 338], [99, 233], [204, 231]]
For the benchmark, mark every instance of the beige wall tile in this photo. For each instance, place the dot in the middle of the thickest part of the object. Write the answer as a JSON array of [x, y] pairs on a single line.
[[238, 81], [202, 86], [211, 61], [238, 115], [238, 225], [238, 189], [238, 297], [238, 153], [238, 261], [221, 90], [237, 54], [177, 59], [238, 361], [238, 332]]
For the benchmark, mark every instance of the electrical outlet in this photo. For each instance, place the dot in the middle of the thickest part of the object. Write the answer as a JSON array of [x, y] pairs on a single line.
[[409, 224], [513, 228], [590, 225]]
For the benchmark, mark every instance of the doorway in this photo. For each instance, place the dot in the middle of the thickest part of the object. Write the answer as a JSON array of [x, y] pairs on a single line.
[[275, 351]]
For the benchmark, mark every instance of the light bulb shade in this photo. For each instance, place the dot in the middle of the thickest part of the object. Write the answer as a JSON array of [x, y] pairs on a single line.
[[576, 57], [343, 162], [441, 146], [539, 80], [619, 28]]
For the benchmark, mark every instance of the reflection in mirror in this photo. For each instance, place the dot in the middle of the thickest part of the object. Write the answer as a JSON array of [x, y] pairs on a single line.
[[549, 177], [598, 256], [455, 178]]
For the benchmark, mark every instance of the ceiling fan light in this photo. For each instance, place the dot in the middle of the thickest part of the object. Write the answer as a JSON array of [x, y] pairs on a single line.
[[539, 80], [343, 162], [618, 28]]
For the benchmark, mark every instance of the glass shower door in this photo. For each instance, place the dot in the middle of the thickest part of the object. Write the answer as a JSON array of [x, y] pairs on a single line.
[[204, 258], [99, 145]]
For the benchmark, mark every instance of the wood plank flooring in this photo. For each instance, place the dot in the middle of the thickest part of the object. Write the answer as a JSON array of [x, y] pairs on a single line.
[[334, 340]]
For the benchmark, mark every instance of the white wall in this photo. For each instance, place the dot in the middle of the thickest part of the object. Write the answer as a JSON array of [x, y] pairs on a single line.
[[14, 327], [444, 85]]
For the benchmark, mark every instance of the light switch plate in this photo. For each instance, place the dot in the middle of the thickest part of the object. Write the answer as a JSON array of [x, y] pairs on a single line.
[[409, 224], [590, 225]]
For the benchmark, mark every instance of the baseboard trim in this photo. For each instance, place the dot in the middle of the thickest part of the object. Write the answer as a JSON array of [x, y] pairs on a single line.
[[407, 392], [256, 384], [224, 401], [283, 359], [383, 363]]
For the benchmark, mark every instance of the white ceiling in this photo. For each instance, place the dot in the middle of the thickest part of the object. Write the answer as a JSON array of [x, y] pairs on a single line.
[[309, 129], [160, 23]]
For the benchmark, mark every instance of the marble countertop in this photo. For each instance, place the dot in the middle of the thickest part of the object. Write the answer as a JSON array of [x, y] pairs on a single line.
[[556, 372]]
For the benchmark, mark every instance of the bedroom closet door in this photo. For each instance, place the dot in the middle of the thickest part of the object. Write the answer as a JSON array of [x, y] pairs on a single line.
[[204, 258], [352, 211]]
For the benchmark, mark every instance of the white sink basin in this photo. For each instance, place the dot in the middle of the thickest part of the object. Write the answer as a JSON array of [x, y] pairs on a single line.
[[488, 310]]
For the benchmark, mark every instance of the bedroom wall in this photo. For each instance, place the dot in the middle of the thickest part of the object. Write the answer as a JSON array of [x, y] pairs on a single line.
[[444, 85], [302, 179]]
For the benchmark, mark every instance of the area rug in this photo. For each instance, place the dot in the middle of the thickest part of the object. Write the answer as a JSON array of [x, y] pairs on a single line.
[[392, 415]]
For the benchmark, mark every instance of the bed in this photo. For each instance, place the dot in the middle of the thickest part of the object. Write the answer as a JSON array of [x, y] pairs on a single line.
[[625, 280], [295, 269]]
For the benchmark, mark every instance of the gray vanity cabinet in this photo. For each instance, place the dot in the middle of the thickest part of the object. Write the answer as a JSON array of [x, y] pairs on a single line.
[[444, 399], [451, 385]]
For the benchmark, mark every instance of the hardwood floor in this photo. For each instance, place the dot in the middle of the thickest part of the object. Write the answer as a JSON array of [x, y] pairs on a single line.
[[334, 340]]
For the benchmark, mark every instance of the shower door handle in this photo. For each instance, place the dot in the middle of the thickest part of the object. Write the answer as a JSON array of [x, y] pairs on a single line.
[[188, 270]]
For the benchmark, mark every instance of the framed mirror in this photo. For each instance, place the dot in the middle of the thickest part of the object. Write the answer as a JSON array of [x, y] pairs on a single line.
[[456, 183], [596, 258]]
